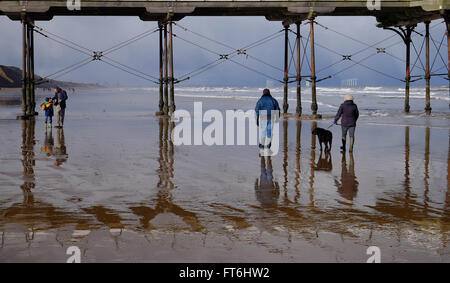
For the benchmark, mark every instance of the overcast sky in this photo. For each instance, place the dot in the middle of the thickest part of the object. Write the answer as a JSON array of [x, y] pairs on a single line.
[[100, 33]]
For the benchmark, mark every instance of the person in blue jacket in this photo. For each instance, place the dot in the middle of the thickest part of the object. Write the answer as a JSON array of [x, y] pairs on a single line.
[[350, 114], [59, 101], [264, 107]]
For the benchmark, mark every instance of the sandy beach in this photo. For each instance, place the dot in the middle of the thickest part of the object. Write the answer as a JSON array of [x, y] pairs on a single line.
[[113, 183]]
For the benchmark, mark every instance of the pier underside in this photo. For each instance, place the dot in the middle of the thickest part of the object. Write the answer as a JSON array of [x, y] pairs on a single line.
[[390, 13]]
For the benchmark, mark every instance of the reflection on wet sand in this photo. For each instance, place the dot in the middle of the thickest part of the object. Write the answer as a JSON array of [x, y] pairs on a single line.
[[325, 162], [403, 207], [348, 185], [33, 214], [285, 160], [165, 205], [312, 163], [60, 148], [47, 147], [298, 170], [266, 189], [394, 208], [28, 161]]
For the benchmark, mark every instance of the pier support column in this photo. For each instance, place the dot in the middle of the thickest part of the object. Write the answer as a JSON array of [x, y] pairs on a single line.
[[314, 106], [286, 66], [447, 23], [427, 69], [166, 78], [172, 88], [31, 85], [161, 67], [298, 110], [30, 113], [407, 40], [405, 34], [24, 70]]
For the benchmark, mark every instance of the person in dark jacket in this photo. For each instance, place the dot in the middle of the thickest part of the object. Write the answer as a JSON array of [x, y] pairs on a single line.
[[350, 114], [60, 102], [266, 104]]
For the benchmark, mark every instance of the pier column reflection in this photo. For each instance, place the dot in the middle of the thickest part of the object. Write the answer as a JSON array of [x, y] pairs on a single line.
[[407, 182], [312, 165], [28, 161], [285, 159], [164, 202], [427, 170], [297, 160], [446, 218]]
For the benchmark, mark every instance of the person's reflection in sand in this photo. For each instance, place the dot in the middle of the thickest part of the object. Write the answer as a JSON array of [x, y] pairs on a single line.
[[267, 191], [325, 162], [165, 185], [348, 186], [60, 148], [47, 147]]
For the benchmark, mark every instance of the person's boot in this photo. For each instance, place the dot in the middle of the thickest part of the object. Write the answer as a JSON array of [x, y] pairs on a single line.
[[343, 145], [352, 141]]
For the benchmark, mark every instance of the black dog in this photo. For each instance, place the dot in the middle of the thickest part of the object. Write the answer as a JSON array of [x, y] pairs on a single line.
[[325, 137]]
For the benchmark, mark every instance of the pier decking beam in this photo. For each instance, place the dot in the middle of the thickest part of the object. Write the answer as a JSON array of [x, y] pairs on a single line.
[[298, 110], [172, 88], [427, 69], [286, 66], [314, 106]]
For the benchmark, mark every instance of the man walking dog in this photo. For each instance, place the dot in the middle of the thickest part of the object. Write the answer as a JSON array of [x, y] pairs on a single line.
[[350, 114]]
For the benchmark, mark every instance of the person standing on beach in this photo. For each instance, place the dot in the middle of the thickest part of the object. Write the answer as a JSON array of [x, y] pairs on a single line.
[[48, 108], [266, 104], [350, 114], [60, 103]]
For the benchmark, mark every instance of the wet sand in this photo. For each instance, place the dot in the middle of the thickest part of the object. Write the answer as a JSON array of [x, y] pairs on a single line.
[[112, 183]]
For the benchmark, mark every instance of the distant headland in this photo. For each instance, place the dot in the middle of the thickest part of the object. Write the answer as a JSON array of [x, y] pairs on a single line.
[[11, 77]]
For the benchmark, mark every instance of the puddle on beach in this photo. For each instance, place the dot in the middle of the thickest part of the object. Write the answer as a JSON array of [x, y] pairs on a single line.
[[116, 186]]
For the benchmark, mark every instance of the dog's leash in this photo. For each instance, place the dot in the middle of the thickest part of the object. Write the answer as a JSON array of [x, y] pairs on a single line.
[[332, 125]]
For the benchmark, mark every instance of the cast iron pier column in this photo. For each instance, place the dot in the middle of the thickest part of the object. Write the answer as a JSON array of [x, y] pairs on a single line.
[[313, 70], [298, 110]]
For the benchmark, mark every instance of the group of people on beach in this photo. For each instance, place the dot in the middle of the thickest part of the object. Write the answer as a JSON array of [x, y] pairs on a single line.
[[59, 101], [348, 111]]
